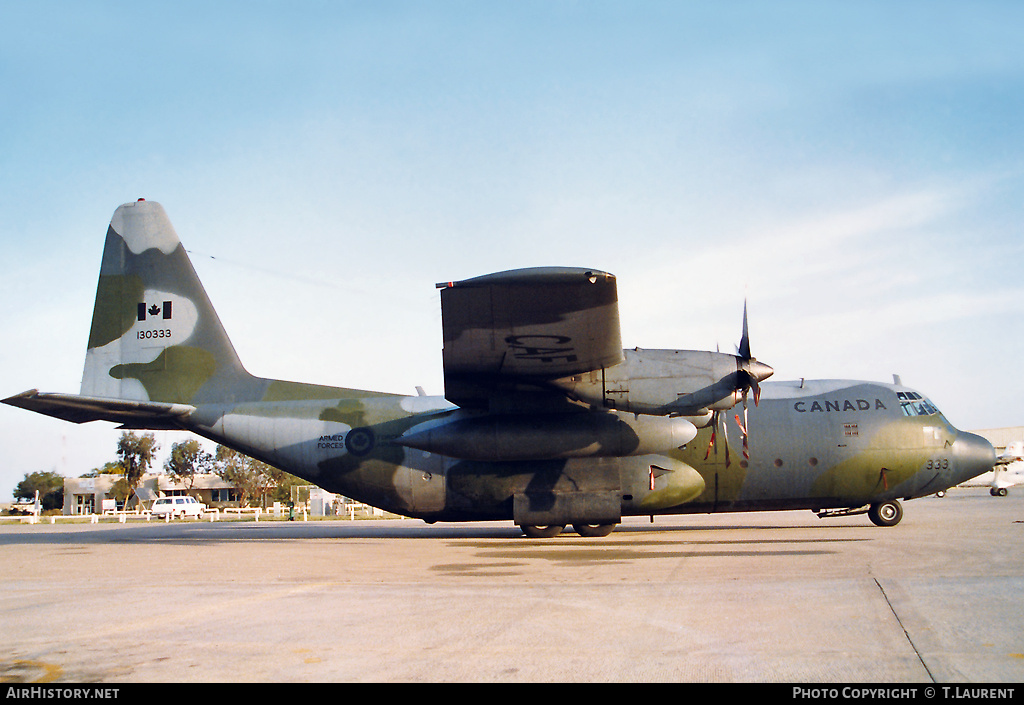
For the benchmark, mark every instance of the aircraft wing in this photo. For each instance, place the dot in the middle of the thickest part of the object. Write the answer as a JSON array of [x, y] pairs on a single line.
[[526, 326], [81, 409]]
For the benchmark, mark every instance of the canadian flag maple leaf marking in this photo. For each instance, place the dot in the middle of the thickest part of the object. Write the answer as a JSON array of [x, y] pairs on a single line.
[[155, 310]]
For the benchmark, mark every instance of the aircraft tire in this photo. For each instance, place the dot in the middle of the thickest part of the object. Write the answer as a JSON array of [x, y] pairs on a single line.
[[542, 532], [594, 530], [886, 514], [997, 491]]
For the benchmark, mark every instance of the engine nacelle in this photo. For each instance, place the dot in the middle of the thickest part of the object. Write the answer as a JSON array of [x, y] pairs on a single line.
[[507, 437], [663, 382]]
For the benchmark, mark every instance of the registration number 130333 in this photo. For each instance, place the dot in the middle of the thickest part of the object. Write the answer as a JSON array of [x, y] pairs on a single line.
[[153, 334]]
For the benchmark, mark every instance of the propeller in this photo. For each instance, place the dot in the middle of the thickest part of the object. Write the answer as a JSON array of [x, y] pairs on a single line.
[[751, 374]]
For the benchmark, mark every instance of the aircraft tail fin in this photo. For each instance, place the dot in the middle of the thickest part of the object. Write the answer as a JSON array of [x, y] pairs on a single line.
[[155, 336]]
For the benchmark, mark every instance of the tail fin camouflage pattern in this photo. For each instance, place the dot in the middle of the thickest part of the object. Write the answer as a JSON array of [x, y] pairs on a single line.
[[157, 350], [155, 336]]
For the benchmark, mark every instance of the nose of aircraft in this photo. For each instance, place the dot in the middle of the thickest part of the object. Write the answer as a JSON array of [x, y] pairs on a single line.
[[973, 456]]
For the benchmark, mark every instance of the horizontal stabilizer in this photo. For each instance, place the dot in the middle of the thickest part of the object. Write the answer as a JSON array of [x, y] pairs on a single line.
[[82, 409]]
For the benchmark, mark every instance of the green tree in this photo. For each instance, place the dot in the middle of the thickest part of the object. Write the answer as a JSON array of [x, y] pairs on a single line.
[[188, 459], [50, 486], [282, 492], [252, 478], [111, 467], [135, 455], [119, 491]]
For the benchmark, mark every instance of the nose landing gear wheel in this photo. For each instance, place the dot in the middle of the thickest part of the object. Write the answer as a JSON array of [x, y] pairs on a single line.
[[886, 513]]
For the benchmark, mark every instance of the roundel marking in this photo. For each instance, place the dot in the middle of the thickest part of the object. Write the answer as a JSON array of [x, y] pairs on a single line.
[[359, 441]]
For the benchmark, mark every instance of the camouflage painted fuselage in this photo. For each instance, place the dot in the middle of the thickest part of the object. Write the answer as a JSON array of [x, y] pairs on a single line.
[[814, 445], [553, 425]]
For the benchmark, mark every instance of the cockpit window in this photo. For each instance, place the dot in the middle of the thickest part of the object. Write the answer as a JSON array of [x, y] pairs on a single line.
[[915, 405]]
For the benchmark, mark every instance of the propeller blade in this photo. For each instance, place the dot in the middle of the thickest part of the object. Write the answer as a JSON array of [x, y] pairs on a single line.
[[744, 349], [743, 428], [716, 422], [725, 435], [746, 435]]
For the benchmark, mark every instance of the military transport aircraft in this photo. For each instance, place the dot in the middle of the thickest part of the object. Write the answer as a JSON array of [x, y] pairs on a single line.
[[545, 420]]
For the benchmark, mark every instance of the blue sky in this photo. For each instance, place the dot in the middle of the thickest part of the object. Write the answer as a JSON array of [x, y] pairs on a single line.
[[855, 170]]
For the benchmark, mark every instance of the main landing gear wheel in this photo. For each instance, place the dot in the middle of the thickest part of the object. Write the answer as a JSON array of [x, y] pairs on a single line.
[[997, 491], [542, 532], [886, 513], [594, 530]]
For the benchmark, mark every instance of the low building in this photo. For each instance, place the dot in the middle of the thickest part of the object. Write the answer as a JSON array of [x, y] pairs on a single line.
[[86, 495], [1000, 438]]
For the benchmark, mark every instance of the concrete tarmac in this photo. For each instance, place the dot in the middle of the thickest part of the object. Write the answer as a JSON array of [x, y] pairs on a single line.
[[758, 597]]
